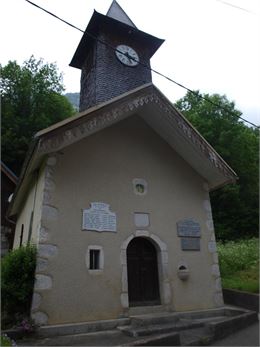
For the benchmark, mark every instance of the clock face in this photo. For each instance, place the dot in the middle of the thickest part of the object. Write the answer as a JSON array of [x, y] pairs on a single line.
[[127, 55]]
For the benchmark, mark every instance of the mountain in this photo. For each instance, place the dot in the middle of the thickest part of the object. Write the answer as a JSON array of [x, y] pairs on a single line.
[[73, 99]]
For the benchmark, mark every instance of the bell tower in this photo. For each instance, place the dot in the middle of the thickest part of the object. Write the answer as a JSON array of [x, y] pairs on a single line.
[[114, 57]]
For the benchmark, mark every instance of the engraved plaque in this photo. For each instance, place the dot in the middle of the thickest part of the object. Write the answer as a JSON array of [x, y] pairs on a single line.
[[99, 218], [141, 220], [188, 228], [190, 244]]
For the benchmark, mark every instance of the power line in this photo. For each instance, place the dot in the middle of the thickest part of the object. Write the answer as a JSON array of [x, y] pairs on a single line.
[[235, 6], [145, 65]]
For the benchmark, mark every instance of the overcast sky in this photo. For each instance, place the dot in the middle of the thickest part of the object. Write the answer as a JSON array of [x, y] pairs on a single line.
[[210, 45]]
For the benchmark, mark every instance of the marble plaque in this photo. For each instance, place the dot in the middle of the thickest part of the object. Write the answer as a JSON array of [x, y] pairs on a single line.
[[190, 244], [99, 218], [141, 220], [188, 228]]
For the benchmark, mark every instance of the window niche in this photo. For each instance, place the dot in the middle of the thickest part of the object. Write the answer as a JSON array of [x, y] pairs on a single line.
[[95, 259], [140, 186]]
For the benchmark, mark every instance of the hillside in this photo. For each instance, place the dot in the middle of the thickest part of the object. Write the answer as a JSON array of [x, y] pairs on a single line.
[[73, 99]]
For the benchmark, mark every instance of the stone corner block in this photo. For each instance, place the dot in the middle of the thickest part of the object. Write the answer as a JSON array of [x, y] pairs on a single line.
[[36, 301], [52, 160], [42, 282], [47, 250], [212, 247], [40, 318]]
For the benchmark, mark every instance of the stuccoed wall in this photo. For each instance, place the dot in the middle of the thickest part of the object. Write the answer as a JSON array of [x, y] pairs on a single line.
[[101, 168], [32, 202]]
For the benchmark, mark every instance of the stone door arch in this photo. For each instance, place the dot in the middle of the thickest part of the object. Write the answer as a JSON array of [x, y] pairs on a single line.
[[162, 260], [142, 273]]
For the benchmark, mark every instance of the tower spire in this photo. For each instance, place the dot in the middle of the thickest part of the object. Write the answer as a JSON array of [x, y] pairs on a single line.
[[115, 11]]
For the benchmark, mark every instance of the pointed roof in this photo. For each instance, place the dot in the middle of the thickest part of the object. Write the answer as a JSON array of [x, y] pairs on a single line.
[[115, 11], [95, 25], [156, 110]]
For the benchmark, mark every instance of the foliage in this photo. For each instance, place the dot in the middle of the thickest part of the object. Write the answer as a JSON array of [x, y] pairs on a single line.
[[247, 280], [238, 255], [17, 280], [239, 264], [27, 326], [6, 341], [235, 207], [31, 101]]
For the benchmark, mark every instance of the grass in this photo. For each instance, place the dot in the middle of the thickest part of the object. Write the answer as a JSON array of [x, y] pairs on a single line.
[[239, 264]]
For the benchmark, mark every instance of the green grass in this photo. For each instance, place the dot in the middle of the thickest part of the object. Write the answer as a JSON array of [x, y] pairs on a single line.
[[239, 264]]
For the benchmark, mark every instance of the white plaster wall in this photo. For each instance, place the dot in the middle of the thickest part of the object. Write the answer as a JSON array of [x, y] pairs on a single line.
[[102, 168], [25, 214]]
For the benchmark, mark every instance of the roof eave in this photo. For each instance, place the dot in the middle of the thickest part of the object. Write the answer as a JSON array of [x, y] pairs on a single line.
[[91, 32], [156, 110]]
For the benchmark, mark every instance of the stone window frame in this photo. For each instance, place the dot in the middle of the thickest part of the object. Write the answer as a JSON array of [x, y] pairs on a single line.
[[140, 181], [101, 259]]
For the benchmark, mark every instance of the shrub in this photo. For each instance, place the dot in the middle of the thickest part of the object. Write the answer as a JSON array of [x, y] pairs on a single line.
[[236, 256], [6, 341], [17, 281]]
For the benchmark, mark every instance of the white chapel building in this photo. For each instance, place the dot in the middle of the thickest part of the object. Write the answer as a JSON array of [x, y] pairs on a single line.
[[116, 198]]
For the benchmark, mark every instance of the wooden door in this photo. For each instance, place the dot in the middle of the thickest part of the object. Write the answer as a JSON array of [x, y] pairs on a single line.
[[142, 271]]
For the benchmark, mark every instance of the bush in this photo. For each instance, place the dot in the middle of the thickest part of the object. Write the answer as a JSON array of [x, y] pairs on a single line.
[[237, 256], [239, 264], [6, 341], [17, 281]]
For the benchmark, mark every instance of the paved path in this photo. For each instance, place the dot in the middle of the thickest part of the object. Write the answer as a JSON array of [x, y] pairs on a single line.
[[246, 337]]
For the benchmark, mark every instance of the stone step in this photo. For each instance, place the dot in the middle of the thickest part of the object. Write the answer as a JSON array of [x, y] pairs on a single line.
[[154, 318], [80, 328], [196, 337], [135, 330], [140, 310]]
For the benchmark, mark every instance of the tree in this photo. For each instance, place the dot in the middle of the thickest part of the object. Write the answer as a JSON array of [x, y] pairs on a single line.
[[235, 207], [31, 101]]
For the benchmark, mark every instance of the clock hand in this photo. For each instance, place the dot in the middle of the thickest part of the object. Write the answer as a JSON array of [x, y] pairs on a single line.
[[129, 57]]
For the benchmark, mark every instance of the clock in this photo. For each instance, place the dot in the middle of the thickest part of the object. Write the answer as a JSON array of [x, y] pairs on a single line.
[[127, 55]]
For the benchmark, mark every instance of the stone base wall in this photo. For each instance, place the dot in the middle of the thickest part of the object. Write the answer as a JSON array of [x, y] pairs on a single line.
[[246, 300]]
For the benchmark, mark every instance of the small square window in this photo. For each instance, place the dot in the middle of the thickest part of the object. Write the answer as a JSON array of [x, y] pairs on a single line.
[[94, 259]]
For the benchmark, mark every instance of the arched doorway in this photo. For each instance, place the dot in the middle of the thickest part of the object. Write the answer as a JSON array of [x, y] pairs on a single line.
[[142, 273]]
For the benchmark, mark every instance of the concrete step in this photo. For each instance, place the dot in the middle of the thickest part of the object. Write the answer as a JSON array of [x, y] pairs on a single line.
[[140, 310], [134, 330], [196, 337], [80, 328], [195, 328], [154, 318]]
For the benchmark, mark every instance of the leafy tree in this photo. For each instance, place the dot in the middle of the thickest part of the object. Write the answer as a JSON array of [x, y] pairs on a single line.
[[235, 207], [31, 101]]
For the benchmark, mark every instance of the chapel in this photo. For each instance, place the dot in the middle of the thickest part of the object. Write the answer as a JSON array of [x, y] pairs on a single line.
[[116, 198]]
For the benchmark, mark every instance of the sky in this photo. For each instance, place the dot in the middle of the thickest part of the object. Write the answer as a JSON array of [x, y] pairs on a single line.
[[210, 45]]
